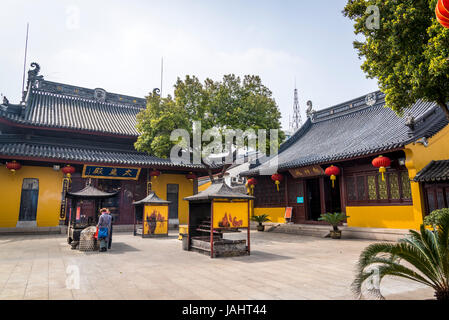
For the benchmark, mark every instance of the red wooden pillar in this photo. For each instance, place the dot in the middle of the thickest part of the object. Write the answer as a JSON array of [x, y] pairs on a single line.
[[212, 228], [322, 196], [249, 230]]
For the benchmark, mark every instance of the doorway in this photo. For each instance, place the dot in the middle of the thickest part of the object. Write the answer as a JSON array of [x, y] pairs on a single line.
[[29, 200], [332, 196], [173, 196], [313, 199]]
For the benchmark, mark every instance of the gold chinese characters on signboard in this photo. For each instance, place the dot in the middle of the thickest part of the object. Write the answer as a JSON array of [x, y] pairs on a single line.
[[310, 171], [105, 172]]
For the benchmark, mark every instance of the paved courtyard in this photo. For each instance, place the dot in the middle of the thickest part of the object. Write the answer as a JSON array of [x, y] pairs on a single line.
[[281, 266]]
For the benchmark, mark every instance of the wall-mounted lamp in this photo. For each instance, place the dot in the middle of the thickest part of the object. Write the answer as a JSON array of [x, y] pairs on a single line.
[[56, 167]]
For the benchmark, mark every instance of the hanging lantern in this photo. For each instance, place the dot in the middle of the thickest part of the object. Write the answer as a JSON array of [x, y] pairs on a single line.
[[442, 12], [13, 166], [68, 170], [251, 183], [277, 178], [332, 172], [191, 176], [155, 173], [382, 163]]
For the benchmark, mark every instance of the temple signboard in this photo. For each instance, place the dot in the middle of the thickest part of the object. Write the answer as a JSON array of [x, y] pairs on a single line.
[[105, 172], [305, 172]]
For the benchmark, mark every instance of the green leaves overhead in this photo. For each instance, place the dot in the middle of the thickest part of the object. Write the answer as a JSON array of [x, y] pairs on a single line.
[[232, 103], [408, 54]]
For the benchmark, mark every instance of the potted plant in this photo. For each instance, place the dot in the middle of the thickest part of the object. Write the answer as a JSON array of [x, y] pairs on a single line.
[[334, 219], [261, 219]]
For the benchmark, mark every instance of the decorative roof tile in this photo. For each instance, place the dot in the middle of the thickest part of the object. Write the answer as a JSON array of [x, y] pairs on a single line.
[[435, 171]]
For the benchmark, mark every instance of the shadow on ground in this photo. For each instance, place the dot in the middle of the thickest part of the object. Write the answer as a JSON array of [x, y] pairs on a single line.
[[260, 256]]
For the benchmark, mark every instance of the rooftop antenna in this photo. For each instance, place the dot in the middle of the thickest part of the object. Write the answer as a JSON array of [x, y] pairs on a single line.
[[25, 58], [162, 73], [296, 121]]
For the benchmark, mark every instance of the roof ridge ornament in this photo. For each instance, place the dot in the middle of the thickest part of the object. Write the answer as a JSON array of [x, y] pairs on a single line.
[[371, 99], [310, 112], [100, 95], [33, 79]]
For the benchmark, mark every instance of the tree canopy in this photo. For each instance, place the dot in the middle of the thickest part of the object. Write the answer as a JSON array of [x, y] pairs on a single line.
[[230, 104], [407, 52]]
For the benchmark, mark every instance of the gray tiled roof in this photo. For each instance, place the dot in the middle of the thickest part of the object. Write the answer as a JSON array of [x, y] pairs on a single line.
[[55, 105], [90, 192], [86, 155], [60, 111], [355, 129], [152, 198], [218, 190], [434, 171]]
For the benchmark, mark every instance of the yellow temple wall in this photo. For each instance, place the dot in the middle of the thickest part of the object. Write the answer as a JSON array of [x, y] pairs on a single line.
[[417, 157], [159, 185], [276, 215], [394, 217], [49, 200]]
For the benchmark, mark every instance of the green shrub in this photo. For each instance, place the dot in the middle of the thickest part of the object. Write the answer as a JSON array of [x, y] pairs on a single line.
[[433, 219]]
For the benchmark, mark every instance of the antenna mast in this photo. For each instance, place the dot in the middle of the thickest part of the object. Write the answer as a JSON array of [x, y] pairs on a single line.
[[296, 122], [25, 58], [162, 73]]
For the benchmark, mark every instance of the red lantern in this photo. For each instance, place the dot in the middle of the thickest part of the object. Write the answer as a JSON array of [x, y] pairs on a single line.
[[155, 173], [68, 170], [252, 183], [442, 12], [277, 178], [191, 176], [382, 163], [333, 172], [13, 166]]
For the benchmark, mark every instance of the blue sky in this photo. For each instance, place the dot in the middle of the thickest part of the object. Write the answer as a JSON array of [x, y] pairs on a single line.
[[118, 45]]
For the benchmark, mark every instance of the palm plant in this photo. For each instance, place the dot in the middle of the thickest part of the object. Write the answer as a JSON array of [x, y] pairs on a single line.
[[427, 252], [261, 219], [333, 219]]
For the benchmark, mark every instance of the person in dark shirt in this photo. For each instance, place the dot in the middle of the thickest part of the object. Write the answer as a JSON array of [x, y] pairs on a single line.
[[104, 224], [110, 230]]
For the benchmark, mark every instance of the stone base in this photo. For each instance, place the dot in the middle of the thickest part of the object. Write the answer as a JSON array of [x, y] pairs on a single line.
[[222, 247], [31, 230], [382, 234], [26, 224]]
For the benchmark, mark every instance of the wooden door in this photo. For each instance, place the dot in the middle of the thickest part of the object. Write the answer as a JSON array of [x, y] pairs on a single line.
[[296, 199], [29, 200], [173, 196]]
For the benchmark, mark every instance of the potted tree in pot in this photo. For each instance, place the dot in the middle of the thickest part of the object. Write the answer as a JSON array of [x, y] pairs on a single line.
[[261, 219], [334, 219]]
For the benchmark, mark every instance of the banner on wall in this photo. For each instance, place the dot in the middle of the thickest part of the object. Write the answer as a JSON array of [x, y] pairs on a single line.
[[156, 220], [105, 172], [65, 188], [230, 215]]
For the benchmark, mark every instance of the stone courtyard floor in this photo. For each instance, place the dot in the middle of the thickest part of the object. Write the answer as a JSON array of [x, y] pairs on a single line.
[[281, 266]]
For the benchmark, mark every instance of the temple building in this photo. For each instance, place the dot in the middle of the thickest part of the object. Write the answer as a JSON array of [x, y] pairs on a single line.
[[62, 137], [413, 150]]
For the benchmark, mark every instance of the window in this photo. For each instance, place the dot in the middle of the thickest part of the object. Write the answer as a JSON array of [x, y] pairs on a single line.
[[266, 193], [437, 196], [369, 188]]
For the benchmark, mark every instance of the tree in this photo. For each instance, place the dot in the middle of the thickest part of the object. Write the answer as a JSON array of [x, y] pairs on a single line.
[[230, 104], [407, 52], [426, 254]]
